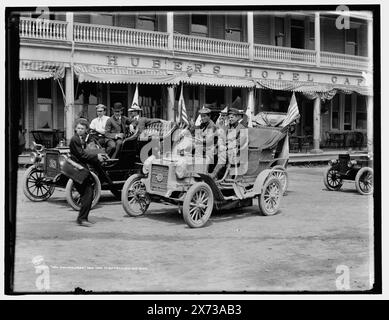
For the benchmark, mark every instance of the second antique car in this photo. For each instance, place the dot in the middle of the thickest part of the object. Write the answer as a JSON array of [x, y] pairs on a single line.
[[181, 179], [351, 167]]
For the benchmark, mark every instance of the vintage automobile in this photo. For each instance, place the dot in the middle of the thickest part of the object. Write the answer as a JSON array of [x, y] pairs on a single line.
[[354, 167], [181, 179], [41, 179]]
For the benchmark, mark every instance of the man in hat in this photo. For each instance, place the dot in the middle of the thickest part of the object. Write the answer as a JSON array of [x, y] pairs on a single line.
[[222, 121], [236, 144], [138, 123], [115, 130], [98, 123]]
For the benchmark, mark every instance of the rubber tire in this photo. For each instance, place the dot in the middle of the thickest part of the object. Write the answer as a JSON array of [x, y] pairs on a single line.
[[124, 198], [68, 193], [261, 198], [358, 177], [186, 205], [286, 186], [27, 193], [328, 186]]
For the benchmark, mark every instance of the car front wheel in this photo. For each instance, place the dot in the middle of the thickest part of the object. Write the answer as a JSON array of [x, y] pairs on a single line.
[[135, 200], [198, 205], [332, 179], [34, 187]]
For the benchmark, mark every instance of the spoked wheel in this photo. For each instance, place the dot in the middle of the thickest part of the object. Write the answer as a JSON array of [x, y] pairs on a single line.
[[364, 181], [280, 173], [73, 197], [135, 200], [34, 188], [332, 179], [270, 198], [198, 205]]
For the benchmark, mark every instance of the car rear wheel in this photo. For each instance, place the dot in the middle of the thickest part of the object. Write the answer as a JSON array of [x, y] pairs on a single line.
[[198, 205], [280, 173], [73, 197], [332, 179], [135, 200], [364, 181], [270, 199], [34, 188]]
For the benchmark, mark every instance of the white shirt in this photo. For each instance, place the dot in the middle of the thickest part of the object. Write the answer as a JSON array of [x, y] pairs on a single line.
[[99, 123]]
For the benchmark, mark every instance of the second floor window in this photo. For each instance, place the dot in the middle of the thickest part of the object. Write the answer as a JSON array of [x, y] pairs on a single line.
[[351, 41], [234, 27], [147, 22], [199, 26], [279, 31]]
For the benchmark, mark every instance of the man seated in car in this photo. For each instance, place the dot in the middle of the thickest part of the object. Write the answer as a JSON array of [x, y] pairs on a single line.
[[236, 145], [138, 123], [98, 123], [115, 130], [205, 137]]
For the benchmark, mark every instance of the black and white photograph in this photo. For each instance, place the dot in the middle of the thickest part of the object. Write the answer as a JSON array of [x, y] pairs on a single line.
[[193, 149]]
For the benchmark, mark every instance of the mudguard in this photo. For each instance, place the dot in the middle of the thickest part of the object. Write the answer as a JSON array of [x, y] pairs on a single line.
[[215, 190], [258, 184]]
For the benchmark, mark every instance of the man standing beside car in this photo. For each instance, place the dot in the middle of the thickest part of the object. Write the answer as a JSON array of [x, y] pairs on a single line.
[[82, 157], [115, 130]]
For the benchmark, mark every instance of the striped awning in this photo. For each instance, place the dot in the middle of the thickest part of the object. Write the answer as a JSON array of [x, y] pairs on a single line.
[[311, 88], [35, 70], [213, 80], [118, 74]]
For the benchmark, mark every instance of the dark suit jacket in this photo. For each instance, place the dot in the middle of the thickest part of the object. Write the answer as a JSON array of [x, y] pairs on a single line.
[[79, 154], [142, 122], [112, 127]]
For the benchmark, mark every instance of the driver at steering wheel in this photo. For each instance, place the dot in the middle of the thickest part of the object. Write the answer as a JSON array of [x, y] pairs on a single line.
[[115, 130]]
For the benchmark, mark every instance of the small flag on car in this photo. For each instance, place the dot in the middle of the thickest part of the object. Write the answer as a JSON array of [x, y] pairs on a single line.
[[293, 112], [183, 117]]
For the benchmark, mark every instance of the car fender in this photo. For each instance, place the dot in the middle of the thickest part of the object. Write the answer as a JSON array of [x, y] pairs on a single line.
[[211, 182], [260, 181]]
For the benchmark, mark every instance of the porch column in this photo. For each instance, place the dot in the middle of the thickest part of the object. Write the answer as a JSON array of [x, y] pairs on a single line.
[[170, 30], [316, 126], [69, 107], [170, 103], [250, 103], [370, 125], [317, 38], [69, 27], [250, 34]]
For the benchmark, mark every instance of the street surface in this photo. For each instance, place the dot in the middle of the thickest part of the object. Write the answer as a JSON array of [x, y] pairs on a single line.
[[317, 237]]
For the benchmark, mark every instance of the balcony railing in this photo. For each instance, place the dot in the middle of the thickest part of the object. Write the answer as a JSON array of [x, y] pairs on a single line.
[[209, 46], [42, 29], [331, 59], [126, 37], [283, 54], [90, 33]]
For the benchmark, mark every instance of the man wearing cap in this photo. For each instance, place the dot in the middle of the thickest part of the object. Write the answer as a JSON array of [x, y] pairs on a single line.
[[115, 130], [98, 124], [236, 144]]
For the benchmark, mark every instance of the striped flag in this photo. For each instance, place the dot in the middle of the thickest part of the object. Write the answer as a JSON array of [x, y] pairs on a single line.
[[293, 112], [183, 116], [135, 100]]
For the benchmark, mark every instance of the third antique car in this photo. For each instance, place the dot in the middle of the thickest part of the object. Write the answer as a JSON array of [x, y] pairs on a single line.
[[352, 167]]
